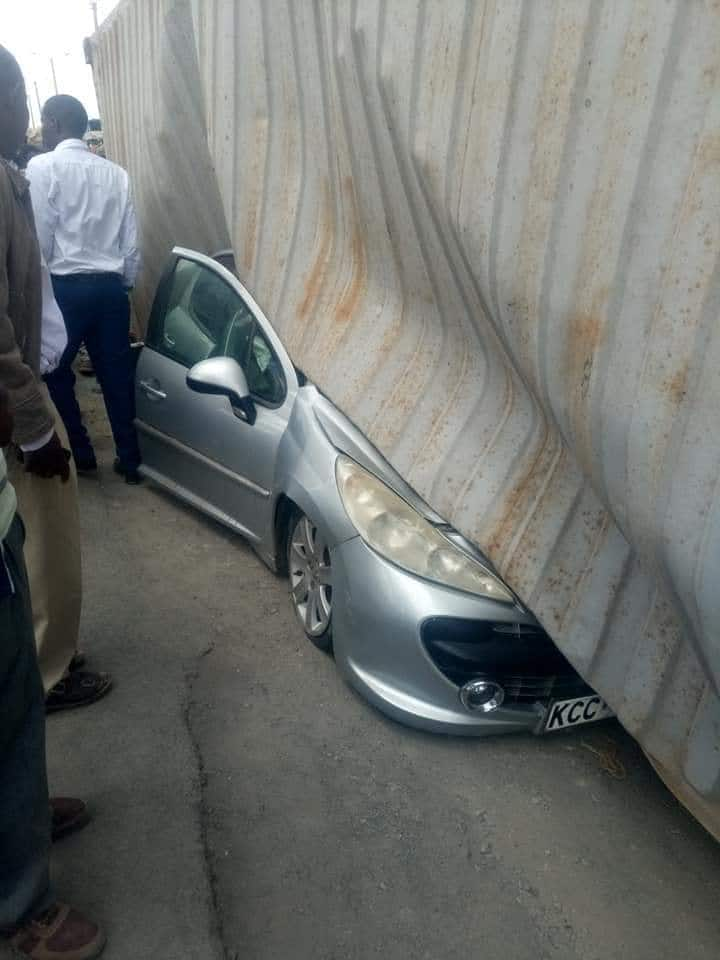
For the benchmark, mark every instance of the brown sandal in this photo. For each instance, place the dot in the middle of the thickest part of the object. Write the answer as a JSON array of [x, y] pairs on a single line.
[[59, 933]]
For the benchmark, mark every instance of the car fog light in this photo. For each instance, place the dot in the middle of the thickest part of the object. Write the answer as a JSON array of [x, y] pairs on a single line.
[[481, 696]]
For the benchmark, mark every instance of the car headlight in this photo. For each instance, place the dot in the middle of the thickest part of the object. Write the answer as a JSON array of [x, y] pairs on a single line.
[[389, 525]]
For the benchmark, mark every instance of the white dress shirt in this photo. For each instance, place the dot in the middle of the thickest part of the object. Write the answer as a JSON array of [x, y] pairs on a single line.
[[84, 213]]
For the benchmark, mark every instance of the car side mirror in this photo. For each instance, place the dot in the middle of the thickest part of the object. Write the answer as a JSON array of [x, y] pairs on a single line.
[[223, 376]]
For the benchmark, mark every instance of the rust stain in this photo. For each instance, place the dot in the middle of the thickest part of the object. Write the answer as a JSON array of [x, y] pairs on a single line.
[[676, 387], [521, 493], [350, 284], [586, 331], [250, 238], [353, 291], [249, 245], [315, 279]]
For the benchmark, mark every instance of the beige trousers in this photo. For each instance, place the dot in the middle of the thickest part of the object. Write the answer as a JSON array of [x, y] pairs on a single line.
[[49, 509]]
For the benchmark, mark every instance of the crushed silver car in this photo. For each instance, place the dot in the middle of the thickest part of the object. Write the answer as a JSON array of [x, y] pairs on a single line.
[[418, 620]]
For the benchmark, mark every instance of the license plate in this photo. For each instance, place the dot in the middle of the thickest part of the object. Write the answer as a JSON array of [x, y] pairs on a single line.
[[573, 713]]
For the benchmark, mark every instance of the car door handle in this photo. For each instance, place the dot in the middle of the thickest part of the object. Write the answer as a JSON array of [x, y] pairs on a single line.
[[152, 391]]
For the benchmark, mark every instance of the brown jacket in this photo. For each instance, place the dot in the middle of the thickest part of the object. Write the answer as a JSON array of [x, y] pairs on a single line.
[[20, 308]]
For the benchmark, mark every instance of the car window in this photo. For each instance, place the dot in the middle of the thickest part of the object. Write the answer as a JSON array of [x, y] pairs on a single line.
[[198, 313], [247, 344], [204, 317]]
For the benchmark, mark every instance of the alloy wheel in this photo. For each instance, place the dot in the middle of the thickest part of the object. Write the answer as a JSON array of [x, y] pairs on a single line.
[[310, 577]]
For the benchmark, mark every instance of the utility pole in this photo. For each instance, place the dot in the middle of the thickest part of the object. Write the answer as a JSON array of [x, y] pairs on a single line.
[[37, 97], [32, 112], [93, 5], [52, 67]]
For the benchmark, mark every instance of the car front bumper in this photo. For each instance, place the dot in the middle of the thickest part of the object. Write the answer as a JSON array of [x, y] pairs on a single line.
[[380, 614]]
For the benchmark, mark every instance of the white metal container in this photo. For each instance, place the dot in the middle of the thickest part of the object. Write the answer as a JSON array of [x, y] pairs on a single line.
[[490, 232]]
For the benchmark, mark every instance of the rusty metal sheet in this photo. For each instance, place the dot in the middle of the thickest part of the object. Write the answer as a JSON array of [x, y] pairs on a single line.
[[490, 232]]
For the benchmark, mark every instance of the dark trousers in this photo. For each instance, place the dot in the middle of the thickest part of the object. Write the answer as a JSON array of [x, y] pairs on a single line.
[[96, 310], [24, 804]]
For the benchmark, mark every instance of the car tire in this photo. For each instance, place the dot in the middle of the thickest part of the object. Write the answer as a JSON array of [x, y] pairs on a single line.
[[310, 574]]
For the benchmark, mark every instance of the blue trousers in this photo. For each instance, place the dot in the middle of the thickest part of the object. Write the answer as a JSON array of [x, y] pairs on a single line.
[[96, 310], [24, 804]]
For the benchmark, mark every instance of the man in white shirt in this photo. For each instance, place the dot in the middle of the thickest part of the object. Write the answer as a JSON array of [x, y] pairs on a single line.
[[87, 229]]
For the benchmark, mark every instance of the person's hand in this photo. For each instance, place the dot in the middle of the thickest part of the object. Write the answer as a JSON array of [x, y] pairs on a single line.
[[52, 460]]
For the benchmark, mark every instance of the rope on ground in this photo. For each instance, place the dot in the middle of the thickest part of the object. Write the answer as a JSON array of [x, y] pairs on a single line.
[[608, 757]]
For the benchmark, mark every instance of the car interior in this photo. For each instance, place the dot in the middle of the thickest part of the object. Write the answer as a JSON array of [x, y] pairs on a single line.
[[206, 318]]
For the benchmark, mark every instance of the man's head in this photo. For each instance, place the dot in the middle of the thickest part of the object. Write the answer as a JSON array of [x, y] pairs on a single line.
[[63, 118], [13, 106]]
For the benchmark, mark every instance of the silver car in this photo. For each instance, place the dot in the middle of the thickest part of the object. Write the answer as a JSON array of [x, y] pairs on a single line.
[[418, 620]]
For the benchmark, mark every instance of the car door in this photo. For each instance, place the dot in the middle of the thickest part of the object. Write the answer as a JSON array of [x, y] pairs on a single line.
[[194, 444]]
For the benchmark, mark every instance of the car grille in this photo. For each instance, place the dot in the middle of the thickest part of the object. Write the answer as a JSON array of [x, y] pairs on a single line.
[[516, 630], [520, 657], [532, 689]]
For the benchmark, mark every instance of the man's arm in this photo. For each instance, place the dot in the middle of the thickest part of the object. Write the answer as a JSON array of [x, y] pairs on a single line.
[[34, 424], [39, 174], [129, 243], [32, 417]]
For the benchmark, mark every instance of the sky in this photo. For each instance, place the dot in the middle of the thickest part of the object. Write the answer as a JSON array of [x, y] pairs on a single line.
[[38, 31]]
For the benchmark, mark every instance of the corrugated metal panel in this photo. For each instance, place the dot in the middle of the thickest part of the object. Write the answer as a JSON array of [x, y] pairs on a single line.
[[490, 232], [156, 113]]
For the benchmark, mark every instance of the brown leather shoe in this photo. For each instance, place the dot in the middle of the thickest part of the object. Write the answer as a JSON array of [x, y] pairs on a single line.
[[59, 933], [68, 815]]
